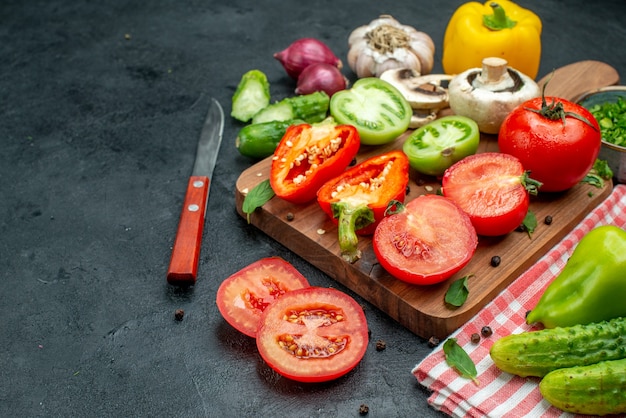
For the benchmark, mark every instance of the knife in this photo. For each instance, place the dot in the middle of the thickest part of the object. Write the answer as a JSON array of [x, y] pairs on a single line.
[[183, 268]]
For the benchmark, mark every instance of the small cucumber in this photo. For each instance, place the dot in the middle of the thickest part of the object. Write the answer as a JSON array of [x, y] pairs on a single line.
[[311, 108], [538, 353], [259, 140], [279, 111], [596, 389], [252, 95]]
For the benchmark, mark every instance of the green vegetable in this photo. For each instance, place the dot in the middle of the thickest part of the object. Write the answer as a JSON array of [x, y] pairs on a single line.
[[598, 173], [538, 353], [611, 117], [252, 95], [592, 285], [375, 108], [311, 108], [436, 146], [257, 197], [597, 389], [259, 140], [458, 292], [529, 224], [457, 357]]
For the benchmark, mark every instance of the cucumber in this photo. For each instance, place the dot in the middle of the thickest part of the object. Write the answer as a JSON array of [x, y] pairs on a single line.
[[259, 140], [540, 352], [310, 108], [276, 112], [597, 389], [252, 95]]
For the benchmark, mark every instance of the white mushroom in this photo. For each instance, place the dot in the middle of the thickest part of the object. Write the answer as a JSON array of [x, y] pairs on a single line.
[[421, 91], [421, 117], [489, 94]]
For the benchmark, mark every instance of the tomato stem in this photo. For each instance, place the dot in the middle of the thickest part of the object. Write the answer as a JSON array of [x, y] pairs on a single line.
[[531, 185], [555, 110], [351, 218]]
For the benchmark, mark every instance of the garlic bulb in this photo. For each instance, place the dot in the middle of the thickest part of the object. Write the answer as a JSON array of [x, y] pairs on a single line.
[[386, 44]]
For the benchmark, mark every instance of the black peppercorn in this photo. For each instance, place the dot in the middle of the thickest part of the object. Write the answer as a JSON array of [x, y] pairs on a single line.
[[380, 345], [289, 216], [475, 338], [363, 409], [486, 331], [179, 314], [548, 220], [433, 342], [495, 261]]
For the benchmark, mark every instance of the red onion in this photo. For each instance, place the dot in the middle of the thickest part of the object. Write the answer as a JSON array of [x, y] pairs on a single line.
[[304, 52], [321, 77]]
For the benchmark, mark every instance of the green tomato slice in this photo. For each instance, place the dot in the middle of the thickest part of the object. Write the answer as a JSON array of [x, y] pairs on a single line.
[[433, 148], [378, 111]]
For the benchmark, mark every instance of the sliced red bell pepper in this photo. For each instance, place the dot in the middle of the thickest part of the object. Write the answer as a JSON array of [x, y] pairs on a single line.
[[357, 199], [308, 156]]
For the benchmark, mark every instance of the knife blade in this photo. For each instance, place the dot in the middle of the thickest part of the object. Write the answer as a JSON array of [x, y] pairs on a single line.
[[183, 268]]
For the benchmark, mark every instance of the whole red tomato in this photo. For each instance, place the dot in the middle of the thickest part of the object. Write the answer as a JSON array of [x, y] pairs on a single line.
[[556, 140]]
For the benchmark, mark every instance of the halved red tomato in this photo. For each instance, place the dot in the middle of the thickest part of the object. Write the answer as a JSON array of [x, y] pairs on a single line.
[[426, 242], [242, 297], [313, 335], [493, 189]]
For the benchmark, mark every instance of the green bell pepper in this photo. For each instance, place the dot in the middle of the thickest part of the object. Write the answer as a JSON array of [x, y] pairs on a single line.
[[592, 285]]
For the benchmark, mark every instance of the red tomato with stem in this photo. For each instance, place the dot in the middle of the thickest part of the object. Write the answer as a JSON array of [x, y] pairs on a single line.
[[426, 241], [556, 140], [313, 334], [242, 297], [493, 189]]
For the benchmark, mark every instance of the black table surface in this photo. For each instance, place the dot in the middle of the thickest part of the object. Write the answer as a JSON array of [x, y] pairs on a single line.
[[101, 105]]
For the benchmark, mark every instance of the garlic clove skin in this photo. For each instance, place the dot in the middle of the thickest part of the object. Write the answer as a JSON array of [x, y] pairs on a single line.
[[487, 95], [400, 58], [423, 47], [385, 44], [364, 64]]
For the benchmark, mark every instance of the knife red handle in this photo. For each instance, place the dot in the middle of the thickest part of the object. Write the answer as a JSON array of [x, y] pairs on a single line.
[[183, 267]]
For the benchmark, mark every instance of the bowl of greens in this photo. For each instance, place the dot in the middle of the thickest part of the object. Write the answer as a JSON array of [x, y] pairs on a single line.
[[608, 106]]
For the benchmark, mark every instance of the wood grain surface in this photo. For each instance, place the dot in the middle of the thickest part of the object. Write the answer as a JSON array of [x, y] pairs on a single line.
[[421, 309]]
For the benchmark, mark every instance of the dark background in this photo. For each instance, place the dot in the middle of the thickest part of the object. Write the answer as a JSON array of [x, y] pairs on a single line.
[[101, 105]]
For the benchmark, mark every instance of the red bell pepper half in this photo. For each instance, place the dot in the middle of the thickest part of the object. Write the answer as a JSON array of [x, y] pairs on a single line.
[[308, 156], [357, 199]]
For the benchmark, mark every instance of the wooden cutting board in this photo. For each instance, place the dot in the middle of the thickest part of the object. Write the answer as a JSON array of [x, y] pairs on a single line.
[[421, 309]]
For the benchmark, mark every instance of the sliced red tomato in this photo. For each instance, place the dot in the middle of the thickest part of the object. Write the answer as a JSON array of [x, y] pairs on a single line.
[[426, 242], [313, 334], [242, 297], [493, 189]]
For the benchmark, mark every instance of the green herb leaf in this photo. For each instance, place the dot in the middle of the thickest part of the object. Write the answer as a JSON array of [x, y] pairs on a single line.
[[611, 117], [530, 223], [458, 291], [457, 357], [598, 173], [257, 197]]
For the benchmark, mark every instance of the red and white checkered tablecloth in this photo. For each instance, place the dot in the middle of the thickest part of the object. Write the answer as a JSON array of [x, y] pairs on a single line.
[[501, 394]]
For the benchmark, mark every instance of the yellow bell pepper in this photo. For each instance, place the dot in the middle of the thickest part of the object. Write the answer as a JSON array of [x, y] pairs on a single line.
[[493, 29]]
